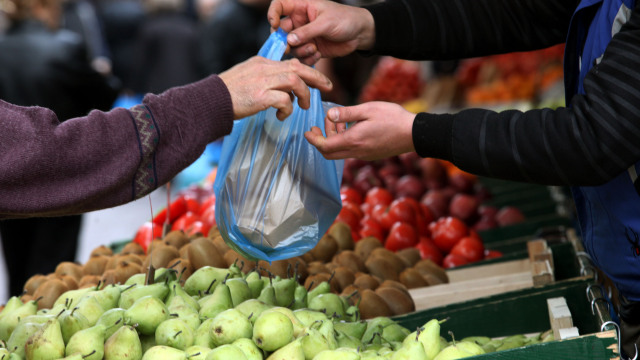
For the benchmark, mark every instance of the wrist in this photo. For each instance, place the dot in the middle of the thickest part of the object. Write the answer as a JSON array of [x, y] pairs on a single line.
[[367, 33]]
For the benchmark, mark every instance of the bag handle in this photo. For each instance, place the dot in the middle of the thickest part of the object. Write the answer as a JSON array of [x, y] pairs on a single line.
[[275, 46]]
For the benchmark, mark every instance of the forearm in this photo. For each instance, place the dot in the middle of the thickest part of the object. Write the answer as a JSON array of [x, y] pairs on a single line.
[[587, 144], [106, 158], [454, 29]]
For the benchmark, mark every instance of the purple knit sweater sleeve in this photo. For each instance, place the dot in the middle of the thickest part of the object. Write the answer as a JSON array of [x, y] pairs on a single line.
[[105, 159]]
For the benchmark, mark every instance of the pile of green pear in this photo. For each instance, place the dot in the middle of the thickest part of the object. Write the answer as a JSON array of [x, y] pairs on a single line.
[[217, 313]]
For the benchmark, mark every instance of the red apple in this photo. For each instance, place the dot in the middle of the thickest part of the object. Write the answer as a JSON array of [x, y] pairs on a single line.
[[433, 173], [465, 207], [409, 185], [437, 202], [509, 215]]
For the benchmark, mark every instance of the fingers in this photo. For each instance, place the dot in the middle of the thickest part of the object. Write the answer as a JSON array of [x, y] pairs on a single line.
[[278, 8], [281, 101], [308, 32], [349, 114], [310, 76]]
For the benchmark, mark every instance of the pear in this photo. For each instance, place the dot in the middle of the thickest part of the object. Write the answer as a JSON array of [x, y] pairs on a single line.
[[219, 301], [226, 352], [10, 319], [249, 348], [108, 297], [46, 343], [239, 289], [147, 342], [137, 279], [161, 352], [285, 291], [327, 330], [4, 353], [480, 340], [298, 328], [411, 350], [308, 316], [20, 335], [395, 332], [430, 338], [299, 297], [123, 344], [329, 303], [70, 298], [71, 322], [255, 283], [179, 307], [111, 320], [322, 288], [90, 308], [252, 308], [291, 351], [75, 356], [175, 333], [39, 318], [148, 312], [352, 328], [470, 347], [313, 342], [197, 352], [13, 303], [272, 330], [135, 292], [203, 337], [202, 279], [337, 354], [452, 352], [347, 341], [268, 295], [176, 290], [229, 326], [87, 341]]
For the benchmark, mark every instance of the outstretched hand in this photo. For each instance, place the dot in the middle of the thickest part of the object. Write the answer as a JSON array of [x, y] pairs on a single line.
[[322, 28], [259, 83], [380, 130]]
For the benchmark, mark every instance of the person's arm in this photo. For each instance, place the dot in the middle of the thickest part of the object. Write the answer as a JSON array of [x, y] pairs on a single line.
[[588, 144], [454, 29]]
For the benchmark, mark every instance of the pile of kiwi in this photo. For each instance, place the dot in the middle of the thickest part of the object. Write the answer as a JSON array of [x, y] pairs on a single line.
[[372, 276]]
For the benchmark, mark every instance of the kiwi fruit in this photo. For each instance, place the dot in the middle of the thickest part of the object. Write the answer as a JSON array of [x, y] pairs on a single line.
[[125, 270], [365, 246], [276, 268], [109, 277], [431, 279], [372, 305], [33, 283], [366, 281], [184, 251], [176, 238], [70, 281], [220, 244], [381, 267], [410, 256], [132, 248], [390, 256], [350, 259], [95, 265], [325, 249], [317, 267], [159, 257], [101, 250], [88, 281], [69, 268], [299, 267], [395, 284], [343, 276], [213, 232], [412, 278], [155, 244], [315, 280], [428, 266], [48, 292], [341, 232], [308, 258], [183, 267], [203, 252], [25, 299], [398, 301]]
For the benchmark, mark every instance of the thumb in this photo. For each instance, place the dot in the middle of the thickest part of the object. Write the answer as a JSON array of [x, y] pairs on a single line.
[[308, 32], [346, 114]]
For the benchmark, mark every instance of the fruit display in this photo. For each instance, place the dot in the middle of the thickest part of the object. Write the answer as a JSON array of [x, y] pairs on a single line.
[[219, 313], [393, 80]]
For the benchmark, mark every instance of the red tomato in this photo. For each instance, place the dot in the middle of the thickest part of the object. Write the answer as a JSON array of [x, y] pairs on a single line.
[[492, 254], [193, 205], [401, 236], [348, 217], [348, 193], [208, 202], [470, 248], [355, 208], [184, 221], [380, 213], [453, 260], [378, 195], [367, 231], [198, 227], [427, 214], [447, 232], [146, 233], [176, 209], [403, 210], [355, 236], [368, 221], [428, 250], [208, 215]]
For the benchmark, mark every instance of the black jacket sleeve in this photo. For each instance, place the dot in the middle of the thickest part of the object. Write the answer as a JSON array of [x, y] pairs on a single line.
[[588, 143]]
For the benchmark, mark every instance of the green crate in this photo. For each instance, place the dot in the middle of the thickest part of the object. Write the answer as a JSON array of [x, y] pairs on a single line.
[[527, 228]]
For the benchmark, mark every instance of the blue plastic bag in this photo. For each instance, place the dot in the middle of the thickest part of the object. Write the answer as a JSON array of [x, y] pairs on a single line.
[[276, 195]]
